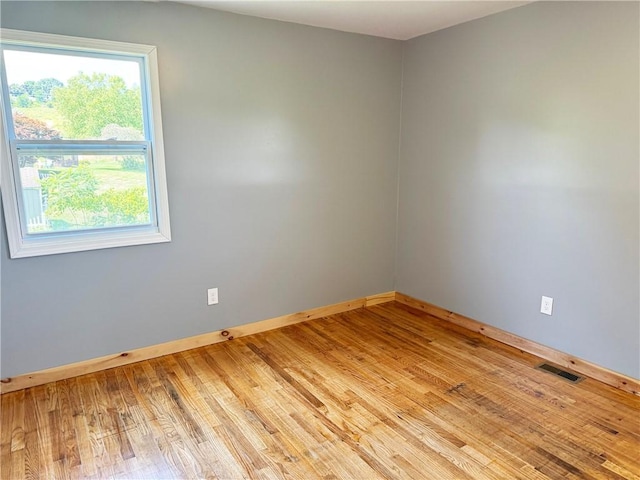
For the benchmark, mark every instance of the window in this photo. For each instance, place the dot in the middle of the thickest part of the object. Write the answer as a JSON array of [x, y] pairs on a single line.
[[82, 152]]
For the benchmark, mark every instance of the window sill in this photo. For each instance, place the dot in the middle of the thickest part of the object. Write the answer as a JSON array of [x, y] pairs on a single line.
[[33, 247]]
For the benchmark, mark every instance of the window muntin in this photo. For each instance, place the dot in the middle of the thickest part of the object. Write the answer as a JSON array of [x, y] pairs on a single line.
[[83, 136]]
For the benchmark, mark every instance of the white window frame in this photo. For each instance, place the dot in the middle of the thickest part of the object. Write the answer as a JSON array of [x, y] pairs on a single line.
[[22, 244]]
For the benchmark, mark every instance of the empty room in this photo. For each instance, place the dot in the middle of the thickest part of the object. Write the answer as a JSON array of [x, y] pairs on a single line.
[[320, 240]]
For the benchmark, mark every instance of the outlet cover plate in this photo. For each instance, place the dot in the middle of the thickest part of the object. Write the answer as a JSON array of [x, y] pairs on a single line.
[[546, 306], [212, 296]]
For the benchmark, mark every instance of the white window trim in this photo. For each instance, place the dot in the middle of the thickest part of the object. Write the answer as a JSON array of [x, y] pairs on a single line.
[[21, 246]]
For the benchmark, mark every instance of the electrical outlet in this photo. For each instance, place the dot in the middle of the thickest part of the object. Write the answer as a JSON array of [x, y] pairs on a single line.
[[212, 296], [546, 306]]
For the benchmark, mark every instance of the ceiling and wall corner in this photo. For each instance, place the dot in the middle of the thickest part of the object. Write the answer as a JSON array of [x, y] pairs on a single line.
[[398, 20]]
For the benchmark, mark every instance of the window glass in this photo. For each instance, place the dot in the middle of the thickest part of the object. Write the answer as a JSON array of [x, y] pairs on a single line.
[[61, 96], [76, 192]]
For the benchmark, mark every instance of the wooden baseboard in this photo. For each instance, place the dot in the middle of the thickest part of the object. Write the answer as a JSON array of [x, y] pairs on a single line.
[[583, 367], [609, 377], [124, 358]]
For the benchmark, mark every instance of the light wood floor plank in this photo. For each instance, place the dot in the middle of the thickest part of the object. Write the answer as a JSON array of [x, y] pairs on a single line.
[[384, 392]]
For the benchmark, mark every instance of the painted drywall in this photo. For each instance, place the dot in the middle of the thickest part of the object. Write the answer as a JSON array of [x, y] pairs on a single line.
[[519, 175], [518, 178], [281, 152]]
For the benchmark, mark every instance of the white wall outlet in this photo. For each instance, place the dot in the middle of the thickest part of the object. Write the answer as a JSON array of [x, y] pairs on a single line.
[[212, 296], [547, 305]]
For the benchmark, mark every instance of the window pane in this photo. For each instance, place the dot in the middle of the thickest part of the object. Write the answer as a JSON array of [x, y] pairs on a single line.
[[61, 96], [82, 192]]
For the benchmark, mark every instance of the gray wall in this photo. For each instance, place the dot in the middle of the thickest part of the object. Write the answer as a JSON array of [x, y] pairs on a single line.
[[281, 150], [519, 175], [518, 178]]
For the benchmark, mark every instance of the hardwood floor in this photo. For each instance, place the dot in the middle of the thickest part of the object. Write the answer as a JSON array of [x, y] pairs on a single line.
[[382, 392]]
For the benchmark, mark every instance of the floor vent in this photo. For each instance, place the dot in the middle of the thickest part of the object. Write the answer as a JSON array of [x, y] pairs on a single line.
[[571, 377]]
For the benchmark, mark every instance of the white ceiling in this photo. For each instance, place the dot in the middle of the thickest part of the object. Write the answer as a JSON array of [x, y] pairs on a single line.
[[398, 19]]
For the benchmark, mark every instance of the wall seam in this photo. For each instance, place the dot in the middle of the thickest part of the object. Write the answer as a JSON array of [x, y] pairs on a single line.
[[397, 226]]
